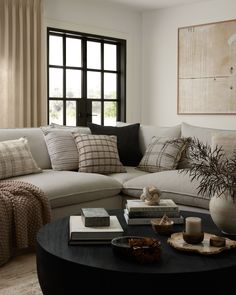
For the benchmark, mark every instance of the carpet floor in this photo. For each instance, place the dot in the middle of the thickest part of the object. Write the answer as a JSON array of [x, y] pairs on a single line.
[[19, 276]]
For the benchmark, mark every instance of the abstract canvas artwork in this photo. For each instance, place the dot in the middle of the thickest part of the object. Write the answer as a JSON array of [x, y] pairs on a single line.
[[207, 68]]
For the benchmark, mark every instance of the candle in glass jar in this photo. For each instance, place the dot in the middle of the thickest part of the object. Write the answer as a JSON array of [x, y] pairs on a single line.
[[193, 225]]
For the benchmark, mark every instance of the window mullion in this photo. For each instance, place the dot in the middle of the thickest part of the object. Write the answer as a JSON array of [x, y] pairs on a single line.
[[48, 100], [102, 83], [83, 106], [64, 80]]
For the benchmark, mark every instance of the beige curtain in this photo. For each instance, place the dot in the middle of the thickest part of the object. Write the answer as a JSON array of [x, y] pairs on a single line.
[[20, 63]]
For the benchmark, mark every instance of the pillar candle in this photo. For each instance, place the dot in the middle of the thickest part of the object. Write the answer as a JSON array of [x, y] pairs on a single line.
[[193, 225]]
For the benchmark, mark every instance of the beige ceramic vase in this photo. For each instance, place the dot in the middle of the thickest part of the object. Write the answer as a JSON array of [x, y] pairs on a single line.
[[223, 213]]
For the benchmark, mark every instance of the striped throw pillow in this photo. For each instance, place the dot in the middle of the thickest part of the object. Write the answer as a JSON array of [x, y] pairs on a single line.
[[98, 154], [162, 155], [62, 150], [16, 159]]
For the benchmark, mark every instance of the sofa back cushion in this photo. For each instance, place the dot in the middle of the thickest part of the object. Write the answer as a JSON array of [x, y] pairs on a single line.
[[227, 141], [16, 158], [36, 143], [205, 135], [57, 127], [147, 132], [202, 133]]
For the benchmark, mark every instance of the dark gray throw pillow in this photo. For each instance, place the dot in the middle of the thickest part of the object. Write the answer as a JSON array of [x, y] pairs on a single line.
[[127, 141]]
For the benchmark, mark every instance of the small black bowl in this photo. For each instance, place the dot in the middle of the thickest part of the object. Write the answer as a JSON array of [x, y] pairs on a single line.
[[135, 248]]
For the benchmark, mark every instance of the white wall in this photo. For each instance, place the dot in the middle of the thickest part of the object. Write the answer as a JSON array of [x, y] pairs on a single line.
[[108, 20], [160, 28]]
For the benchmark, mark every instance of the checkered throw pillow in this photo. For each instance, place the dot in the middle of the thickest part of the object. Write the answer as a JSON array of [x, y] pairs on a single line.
[[16, 159], [98, 154], [161, 155]]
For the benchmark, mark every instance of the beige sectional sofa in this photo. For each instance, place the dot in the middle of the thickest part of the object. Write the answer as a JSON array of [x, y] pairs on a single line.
[[69, 191]]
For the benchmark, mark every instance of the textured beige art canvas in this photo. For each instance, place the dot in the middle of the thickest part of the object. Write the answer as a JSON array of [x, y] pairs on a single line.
[[207, 68]]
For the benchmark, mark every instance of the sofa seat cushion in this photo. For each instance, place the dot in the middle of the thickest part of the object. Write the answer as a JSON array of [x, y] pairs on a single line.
[[65, 188], [173, 185], [131, 172]]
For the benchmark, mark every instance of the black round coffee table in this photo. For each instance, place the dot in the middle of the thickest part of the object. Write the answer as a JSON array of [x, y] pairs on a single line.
[[62, 268]]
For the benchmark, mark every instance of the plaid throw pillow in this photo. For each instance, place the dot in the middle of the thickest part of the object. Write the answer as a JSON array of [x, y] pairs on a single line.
[[98, 154], [16, 159], [161, 155]]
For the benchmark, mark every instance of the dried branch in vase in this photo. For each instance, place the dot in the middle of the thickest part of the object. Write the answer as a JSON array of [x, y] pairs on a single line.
[[215, 173]]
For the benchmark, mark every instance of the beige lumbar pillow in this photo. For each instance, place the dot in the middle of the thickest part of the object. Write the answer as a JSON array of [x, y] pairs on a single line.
[[16, 159], [98, 154]]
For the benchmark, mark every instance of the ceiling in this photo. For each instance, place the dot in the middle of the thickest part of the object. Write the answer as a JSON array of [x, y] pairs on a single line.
[[152, 4]]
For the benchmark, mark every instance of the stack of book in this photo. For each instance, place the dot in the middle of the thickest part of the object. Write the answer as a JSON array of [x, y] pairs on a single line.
[[138, 212], [81, 234]]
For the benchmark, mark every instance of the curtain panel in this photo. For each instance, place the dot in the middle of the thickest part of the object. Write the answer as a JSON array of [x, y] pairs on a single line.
[[20, 63]]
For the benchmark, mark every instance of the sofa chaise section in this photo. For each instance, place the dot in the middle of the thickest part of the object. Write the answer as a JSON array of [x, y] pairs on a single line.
[[173, 185]]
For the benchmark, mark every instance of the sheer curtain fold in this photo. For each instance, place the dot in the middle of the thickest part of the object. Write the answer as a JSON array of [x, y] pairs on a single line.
[[20, 63]]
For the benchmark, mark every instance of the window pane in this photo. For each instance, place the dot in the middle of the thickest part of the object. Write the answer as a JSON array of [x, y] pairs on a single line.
[[73, 83], [96, 112], [55, 82], [56, 112], [55, 51], [93, 55], [93, 85], [110, 86], [110, 113], [73, 52], [71, 113], [110, 57]]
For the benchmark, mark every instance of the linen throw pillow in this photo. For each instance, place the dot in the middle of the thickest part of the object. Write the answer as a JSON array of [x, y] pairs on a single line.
[[98, 154], [16, 159], [162, 155], [127, 141], [62, 150]]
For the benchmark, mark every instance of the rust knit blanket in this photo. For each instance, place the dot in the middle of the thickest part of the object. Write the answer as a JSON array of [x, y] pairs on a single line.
[[24, 208]]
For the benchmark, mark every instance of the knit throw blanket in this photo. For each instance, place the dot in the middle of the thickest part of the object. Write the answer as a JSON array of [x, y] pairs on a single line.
[[24, 209]]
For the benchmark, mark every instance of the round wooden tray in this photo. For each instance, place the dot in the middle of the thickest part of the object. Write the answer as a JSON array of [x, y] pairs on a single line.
[[176, 241]]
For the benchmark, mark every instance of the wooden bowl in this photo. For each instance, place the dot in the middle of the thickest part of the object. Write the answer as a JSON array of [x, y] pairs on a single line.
[[139, 249], [162, 229]]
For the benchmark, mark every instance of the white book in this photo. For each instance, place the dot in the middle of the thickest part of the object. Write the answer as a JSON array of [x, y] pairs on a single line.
[[77, 230], [144, 221], [139, 205]]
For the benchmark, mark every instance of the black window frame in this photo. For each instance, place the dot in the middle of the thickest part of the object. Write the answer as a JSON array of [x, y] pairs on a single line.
[[84, 104]]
